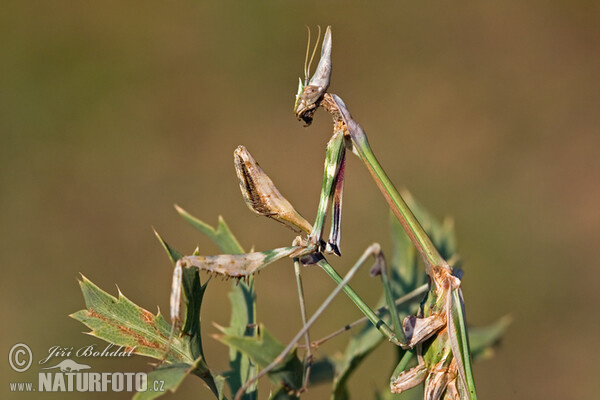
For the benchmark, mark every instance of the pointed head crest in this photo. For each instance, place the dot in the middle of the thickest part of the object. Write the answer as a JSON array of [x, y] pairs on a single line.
[[311, 91]]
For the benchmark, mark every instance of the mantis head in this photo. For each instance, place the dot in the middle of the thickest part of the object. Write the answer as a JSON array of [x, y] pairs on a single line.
[[311, 91]]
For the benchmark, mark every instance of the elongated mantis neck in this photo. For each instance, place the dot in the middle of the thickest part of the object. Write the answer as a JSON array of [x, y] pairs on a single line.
[[411, 225]]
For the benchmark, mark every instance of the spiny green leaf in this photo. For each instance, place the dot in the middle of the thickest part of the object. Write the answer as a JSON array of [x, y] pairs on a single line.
[[215, 382], [222, 236], [194, 292], [243, 303], [170, 376], [173, 254], [121, 322], [263, 349], [243, 312]]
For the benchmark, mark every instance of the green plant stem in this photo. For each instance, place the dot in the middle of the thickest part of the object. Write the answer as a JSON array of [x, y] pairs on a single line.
[[356, 299]]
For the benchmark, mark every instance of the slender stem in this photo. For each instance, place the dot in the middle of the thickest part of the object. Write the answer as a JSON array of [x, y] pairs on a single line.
[[356, 299], [387, 288], [303, 312], [341, 286], [380, 312]]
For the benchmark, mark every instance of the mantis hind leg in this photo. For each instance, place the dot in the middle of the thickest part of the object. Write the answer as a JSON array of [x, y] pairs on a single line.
[[372, 250], [309, 356]]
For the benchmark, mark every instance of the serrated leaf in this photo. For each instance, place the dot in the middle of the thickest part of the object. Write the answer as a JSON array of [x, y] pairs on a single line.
[[243, 303], [169, 377], [121, 322], [215, 382], [194, 293], [263, 349], [222, 236], [241, 317], [173, 254]]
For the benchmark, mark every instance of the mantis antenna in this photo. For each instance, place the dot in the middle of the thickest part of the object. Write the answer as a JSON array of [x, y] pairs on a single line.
[[307, 62]]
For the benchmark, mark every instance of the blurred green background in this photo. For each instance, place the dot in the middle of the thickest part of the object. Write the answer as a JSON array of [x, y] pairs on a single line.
[[488, 112]]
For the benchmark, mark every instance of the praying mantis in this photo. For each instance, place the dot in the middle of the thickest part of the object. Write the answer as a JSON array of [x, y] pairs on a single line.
[[437, 335]]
